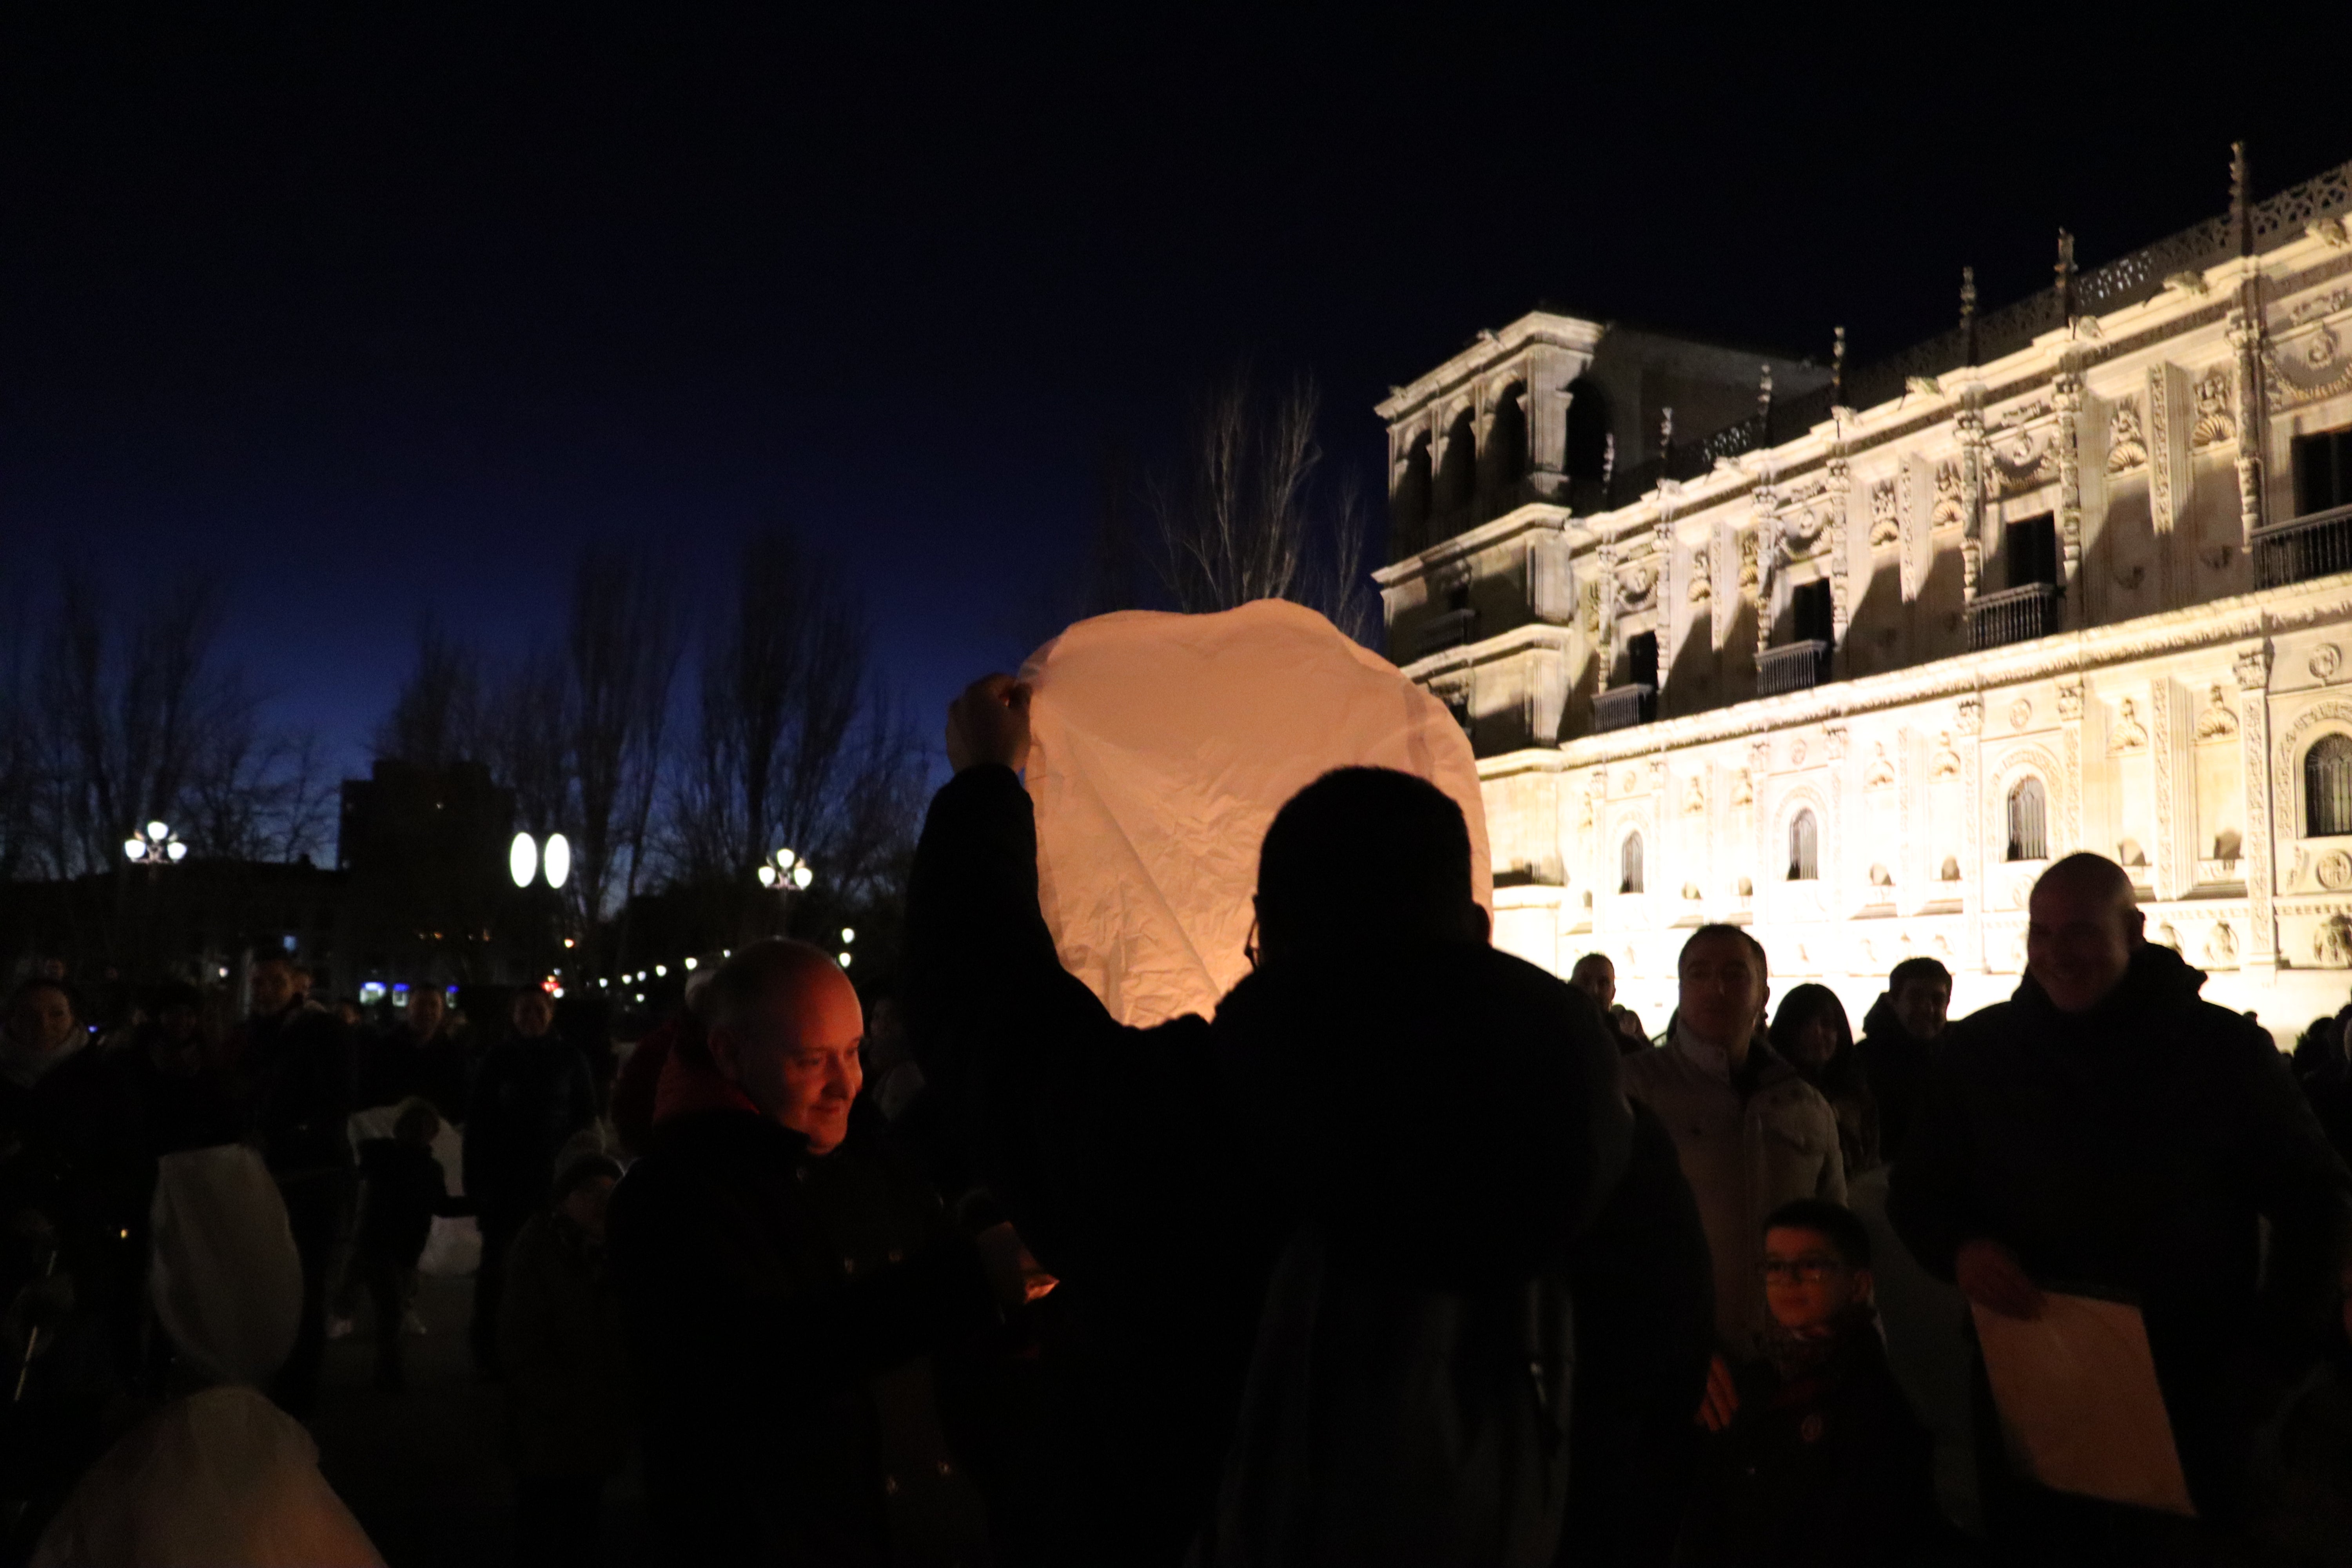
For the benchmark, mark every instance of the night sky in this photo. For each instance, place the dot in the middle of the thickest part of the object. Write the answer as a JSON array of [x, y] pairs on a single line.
[[375, 312]]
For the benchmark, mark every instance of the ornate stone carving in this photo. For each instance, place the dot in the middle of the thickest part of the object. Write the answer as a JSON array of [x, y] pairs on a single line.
[[1886, 521], [2127, 448], [1748, 563], [2129, 734], [1694, 797], [2066, 446], [2324, 661], [2334, 871], [2216, 721], [2331, 942], [1587, 607], [2070, 700], [1701, 588], [2252, 667], [1743, 787], [1634, 585], [1946, 763], [2214, 424], [2021, 713], [2166, 838], [1945, 511], [2221, 946], [1970, 710], [1796, 753], [1833, 736]]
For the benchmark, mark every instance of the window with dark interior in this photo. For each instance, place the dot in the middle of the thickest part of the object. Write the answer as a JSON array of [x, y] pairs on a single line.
[[1641, 658], [1587, 442], [2323, 472], [1804, 848], [2327, 786], [2031, 547], [1811, 616], [1506, 438], [1630, 865], [2028, 836]]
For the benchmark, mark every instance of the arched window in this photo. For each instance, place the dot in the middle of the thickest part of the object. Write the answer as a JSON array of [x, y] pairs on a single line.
[[1629, 859], [1804, 848], [1587, 435], [1409, 506], [2327, 786], [1507, 437], [2028, 838], [1457, 468]]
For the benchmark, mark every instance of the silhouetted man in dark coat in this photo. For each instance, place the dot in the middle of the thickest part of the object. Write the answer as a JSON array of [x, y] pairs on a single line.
[[2107, 1128], [533, 1093], [1431, 1112]]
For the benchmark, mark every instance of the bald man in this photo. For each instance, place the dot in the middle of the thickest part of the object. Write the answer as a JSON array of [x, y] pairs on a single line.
[[2106, 1128], [784, 1274]]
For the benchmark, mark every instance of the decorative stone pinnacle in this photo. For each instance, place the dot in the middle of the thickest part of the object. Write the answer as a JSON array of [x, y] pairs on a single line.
[[2241, 225]]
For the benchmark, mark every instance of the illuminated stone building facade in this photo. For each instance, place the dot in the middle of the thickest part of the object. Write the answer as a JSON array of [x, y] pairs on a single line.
[[1847, 654]]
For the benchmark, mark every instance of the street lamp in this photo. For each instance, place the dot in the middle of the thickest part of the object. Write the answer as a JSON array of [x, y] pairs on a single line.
[[785, 869], [155, 847], [522, 859], [526, 859]]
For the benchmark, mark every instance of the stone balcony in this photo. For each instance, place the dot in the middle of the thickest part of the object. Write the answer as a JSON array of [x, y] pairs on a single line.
[[2302, 548], [1623, 707], [2013, 615], [1792, 666]]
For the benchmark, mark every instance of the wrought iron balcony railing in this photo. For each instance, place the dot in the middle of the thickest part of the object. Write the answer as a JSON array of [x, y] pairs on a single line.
[[1451, 630], [2303, 548], [1623, 707], [1792, 666], [2014, 615]]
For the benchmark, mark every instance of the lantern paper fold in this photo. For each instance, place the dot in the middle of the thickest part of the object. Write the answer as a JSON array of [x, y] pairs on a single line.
[[1163, 744]]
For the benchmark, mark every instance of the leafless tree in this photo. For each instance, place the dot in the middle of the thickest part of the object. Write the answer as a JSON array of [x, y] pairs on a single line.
[[1243, 513], [791, 746], [620, 659], [438, 717]]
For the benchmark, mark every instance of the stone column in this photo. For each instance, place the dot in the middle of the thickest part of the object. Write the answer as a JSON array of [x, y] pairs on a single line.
[[2067, 397], [2166, 429], [2253, 669], [2070, 806], [1969, 423], [1839, 486], [1969, 722], [2245, 329]]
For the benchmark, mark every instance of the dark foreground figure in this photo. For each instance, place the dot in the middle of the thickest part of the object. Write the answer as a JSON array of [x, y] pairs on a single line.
[[1327, 1257], [2106, 1128]]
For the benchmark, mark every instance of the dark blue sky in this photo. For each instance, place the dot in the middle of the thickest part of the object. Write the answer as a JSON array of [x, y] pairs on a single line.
[[377, 314]]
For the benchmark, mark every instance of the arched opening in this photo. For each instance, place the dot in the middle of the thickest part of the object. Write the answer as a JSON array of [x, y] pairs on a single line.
[[1585, 446], [2327, 786], [1409, 506], [2029, 812], [1507, 437], [1804, 848], [1628, 864], [1457, 469]]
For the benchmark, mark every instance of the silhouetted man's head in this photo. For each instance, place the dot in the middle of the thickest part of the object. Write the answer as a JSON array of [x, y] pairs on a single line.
[[2083, 925], [278, 985], [785, 1027], [1366, 855]]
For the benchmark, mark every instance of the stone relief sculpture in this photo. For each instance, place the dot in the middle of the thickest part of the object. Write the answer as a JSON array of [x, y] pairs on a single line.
[[1743, 788], [1947, 511], [2331, 944], [2221, 946], [2216, 721], [2130, 734], [1947, 763], [1747, 563], [1886, 524], [1694, 798], [1880, 771], [1702, 588], [2214, 424], [2127, 448]]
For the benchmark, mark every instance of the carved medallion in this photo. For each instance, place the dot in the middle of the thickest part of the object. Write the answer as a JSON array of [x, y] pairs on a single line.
[[2334, 870], [2021, 713], [2326, 661], [1796, 753]]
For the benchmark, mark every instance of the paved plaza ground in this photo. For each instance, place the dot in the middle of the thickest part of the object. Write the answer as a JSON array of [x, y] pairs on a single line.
[[426, 1470]]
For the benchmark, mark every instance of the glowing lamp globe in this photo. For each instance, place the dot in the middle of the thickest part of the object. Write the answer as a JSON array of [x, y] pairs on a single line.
[[522, 859], [158, 831], [801, 875], [136, 849], [556, 859], [767, 874]]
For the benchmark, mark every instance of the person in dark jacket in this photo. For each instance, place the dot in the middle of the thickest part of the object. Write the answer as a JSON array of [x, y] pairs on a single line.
[[1824, 1465], [295, 1066], [1433, 1114], [417, 1056], [530, 1094], [1899, 1035], [2107, 1129], [785, 1276], [1811, 1033], [566, 1364], [402, 1189]]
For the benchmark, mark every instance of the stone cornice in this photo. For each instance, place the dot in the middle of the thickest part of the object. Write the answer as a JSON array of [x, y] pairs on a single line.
[[1571, 332], [1530, 517], [1538, 635], [2215, 625]]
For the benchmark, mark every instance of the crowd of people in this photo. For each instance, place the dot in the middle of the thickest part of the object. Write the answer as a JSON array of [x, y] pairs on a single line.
[[1412, 1254]]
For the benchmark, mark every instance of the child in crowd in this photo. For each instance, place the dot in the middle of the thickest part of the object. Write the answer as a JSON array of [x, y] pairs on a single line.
[[1824, 1462], [404, 1188], [566, 1372]]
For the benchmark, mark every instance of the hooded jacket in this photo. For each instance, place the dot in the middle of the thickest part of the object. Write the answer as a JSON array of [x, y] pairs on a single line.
[[1444, 1113], [2136, 1147]]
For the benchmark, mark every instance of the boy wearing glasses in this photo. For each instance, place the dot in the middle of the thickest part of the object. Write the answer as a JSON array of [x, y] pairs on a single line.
[[1823, 1462]]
